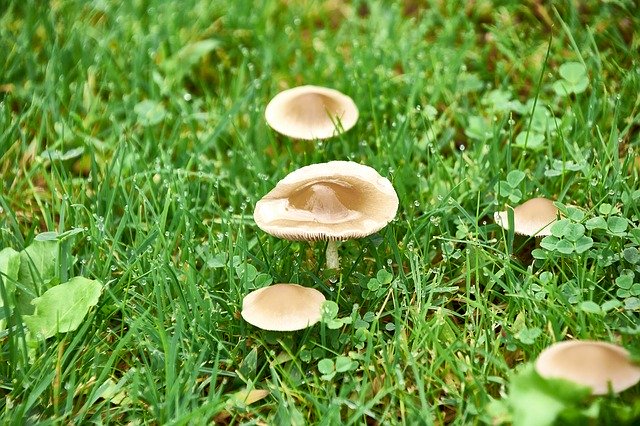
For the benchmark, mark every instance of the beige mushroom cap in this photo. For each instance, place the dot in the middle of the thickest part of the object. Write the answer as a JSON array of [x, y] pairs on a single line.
[[311, 112], [328, 201], [283, 307], [589, 363], [533, 217]]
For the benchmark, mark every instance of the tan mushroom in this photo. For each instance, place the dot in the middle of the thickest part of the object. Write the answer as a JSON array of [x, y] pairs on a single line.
[[330, 201], [311, 112], [283, 307], [589, 363], [531, 218]]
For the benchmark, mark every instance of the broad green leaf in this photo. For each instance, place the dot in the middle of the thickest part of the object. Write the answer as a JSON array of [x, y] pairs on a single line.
[[373, 284], [384, 276], [249, 364], [565, 247], [533, 141], [55, 155], [478, 129], [325, 366], [575, 214], [631, 255], [329, 310], [539, 254], [514, 177], [150, 112], [559, 227], [515, 196], [591, 307], [611, 304], [607, 209], [632, 303], [573, 72], [528, 335], [218, 260], [344, 363], [549, 242], [9, 269], [625, 281], [62, 308], [617, 224], [37, 268], [246, 271], [597, 222], [574, 231], [263, 280], [583, 244]]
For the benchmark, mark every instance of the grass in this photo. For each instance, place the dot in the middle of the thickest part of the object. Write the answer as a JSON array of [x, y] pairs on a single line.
[[164, 190]]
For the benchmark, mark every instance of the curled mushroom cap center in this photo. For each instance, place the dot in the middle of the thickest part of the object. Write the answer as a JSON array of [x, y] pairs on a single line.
[[316, 107], [326, 201]]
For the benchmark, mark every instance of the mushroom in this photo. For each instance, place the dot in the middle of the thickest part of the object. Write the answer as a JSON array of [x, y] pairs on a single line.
[[283, 307], [330, 201], [589, 363], [531, 218], [311, 112]]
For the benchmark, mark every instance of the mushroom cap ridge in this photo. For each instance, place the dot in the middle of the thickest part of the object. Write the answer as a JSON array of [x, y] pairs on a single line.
[[532, 218], [311, 112], [328, 201], [589, 363], [283, 307]]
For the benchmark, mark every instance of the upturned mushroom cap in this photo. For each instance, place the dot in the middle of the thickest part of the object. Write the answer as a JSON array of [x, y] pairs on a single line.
[[589, 363], [311, 112], [283, 307], [533, 217], [328, 201]]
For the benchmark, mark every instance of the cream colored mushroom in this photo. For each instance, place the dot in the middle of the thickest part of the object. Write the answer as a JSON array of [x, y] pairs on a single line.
[[283, 307], [589, 363], [311, 112], [531, 218], [330, 201]]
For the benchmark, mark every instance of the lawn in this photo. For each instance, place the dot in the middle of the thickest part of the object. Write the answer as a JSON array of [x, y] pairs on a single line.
[[134, 147]]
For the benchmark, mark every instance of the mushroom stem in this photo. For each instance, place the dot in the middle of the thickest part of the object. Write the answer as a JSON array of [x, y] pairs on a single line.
[[333, 260]]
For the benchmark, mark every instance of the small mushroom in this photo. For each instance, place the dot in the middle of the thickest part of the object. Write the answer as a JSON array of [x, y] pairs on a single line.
[[589, 363], [330, 201], [531, 218], [283, 307], [311, 112]]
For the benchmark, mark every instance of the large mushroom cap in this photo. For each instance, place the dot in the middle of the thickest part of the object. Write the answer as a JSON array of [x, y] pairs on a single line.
[[311, 112], [589, 363], [283, 307], [533, 217], [328, 201]]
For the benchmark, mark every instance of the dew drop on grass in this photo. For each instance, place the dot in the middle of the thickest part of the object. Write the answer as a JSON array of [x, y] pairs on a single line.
[[113, 267], [511, 122], [416, 203]]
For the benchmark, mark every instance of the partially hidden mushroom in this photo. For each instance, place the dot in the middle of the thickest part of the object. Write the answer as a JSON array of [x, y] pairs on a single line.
[[311, 112], [531, 218], [332, 201], [597, 365], [283, 307]]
